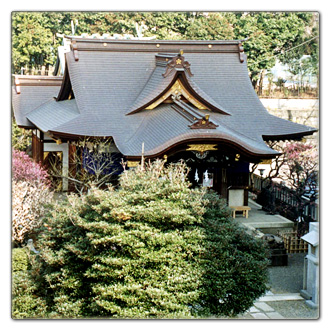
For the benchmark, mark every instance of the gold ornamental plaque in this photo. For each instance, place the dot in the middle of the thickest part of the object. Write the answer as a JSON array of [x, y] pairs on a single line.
[[202, 147]]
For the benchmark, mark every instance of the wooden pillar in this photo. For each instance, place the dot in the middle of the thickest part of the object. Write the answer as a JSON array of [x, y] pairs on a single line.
[[72, 165], [37, 146]]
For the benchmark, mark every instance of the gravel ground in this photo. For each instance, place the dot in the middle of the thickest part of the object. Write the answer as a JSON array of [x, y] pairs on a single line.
[[284, 279], [288, 279], [294, 309]]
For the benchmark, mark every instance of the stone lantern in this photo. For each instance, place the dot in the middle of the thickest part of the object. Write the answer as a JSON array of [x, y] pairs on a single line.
[[311, 267]]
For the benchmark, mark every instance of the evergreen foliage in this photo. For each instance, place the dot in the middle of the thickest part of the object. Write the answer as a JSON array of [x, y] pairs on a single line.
[[19, 260], [269, 34], [20, 138], [154, 248], [26, 301]]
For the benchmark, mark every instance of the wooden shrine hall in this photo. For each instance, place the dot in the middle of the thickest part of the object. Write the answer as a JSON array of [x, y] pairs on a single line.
[[190, 100]]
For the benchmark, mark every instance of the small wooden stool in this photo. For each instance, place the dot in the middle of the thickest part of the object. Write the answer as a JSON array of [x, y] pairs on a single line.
[[245, 210]]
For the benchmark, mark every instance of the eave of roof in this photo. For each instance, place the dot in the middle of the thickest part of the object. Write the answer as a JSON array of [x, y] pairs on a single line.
[[34, 80], [29, 92], [53, 114]]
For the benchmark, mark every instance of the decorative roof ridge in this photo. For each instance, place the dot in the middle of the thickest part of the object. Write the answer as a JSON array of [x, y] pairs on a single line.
[[177, 63], [34, 80], [177, 73], [150, 45], [36, 77], [105, 38], [197, 120]]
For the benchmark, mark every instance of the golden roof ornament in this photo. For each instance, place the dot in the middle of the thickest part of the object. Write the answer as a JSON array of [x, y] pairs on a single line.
[[178, 63]]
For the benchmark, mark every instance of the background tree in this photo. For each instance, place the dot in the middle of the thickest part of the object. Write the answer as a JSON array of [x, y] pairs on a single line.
[[309, 41], [92, 163], [35, 42], [20, 138], [32, 41], [297, 169], [300, 173], [269, 34]]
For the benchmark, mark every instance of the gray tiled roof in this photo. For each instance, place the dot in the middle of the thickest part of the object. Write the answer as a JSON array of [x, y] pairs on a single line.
[[30, 97], [111, 82], [59, 112]]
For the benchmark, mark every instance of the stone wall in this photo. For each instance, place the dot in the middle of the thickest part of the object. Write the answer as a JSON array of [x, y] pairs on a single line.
[[302, 111]]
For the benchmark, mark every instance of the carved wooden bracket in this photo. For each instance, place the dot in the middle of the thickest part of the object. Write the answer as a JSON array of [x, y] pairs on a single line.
[[177, 63], [241, 52], [74, 47], [17, 85], [204, 123]]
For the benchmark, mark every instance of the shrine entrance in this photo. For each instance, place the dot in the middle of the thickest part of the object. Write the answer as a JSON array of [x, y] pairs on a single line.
[[215, 170]]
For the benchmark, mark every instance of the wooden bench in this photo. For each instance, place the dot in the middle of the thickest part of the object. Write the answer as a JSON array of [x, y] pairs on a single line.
[[245, 210]]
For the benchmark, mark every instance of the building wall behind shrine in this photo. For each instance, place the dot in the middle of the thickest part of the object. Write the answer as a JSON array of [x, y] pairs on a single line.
[[301, 111]]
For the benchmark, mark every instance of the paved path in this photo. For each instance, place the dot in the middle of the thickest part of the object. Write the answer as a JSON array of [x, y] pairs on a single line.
[[283, 301], [262, 310], [259, 219]]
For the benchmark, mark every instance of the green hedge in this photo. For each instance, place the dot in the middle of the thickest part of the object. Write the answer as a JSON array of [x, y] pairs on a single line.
[[20, 260], [27, 302]]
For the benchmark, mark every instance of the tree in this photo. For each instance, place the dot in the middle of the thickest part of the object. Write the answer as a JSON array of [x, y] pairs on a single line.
[[309, 45], [269, 34], [93, 163], [300, 173], [153, 248], [32, 43], [210, 26], [20, 138], [297, 168]]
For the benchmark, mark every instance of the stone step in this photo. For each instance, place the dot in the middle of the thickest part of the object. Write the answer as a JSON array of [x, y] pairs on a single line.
[[281, 297]]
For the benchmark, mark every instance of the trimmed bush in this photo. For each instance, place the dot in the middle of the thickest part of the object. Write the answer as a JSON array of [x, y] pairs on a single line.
[[152, 249], [19, 260], [27, 302]]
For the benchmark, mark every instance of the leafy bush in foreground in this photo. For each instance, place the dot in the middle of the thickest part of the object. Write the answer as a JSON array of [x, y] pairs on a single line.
[[25, 300], [152, 249]]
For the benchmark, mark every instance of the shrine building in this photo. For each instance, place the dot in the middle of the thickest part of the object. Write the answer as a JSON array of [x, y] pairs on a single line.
[[190, 100]]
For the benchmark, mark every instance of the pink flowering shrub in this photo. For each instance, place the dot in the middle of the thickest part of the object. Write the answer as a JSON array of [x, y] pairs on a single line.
[[25, 169], [28, 208], [301, 164], [30, 194]]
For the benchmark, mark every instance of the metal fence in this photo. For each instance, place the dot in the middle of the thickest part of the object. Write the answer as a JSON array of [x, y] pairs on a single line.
[[284, 200]]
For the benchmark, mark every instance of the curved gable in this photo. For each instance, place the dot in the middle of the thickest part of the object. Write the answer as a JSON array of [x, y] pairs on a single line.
[[171, 81]]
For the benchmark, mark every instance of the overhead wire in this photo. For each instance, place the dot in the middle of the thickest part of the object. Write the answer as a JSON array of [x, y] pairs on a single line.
[[286, 51]]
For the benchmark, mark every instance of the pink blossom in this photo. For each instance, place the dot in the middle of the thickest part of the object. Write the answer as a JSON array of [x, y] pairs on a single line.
[[25, 169]]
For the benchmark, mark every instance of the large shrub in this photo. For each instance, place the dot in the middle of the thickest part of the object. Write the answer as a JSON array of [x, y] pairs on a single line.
[[20, 138], [30, 194], [152, 249], [27, 302], [25, 169]]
